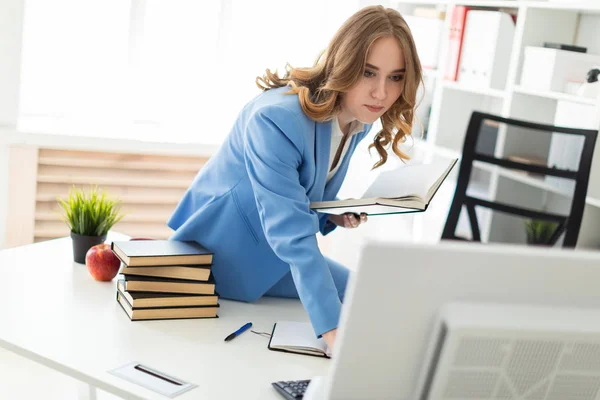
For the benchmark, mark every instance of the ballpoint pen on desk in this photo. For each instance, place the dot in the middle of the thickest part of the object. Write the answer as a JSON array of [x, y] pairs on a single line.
[[238, 332]]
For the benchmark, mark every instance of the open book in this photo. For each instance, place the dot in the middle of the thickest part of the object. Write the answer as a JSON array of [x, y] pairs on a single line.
[[297, 337], [401, 190]]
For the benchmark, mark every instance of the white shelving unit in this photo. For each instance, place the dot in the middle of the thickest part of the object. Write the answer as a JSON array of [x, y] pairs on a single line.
[[554, 95], [577, 23]]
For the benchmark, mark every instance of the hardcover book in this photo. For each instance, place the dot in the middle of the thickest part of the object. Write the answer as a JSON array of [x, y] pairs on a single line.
[[153, 299], [402, 190], [137, 253], [139, 314], [168, 285], [195, 273]]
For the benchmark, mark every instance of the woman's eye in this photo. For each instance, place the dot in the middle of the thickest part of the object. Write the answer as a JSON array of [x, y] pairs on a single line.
[[397, 78], [369, 74]]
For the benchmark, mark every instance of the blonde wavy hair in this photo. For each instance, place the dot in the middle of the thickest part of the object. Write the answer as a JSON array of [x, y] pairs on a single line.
[[342, 65]]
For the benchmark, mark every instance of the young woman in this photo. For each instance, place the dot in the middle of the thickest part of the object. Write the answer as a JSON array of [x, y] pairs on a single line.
[[291, 146]]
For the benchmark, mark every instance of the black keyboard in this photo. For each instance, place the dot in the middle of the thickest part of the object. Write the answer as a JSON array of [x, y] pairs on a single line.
[[291, 390]]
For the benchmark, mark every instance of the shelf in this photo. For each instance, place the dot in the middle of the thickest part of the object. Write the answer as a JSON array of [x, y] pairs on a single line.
[[507, 173], [531, 181], [541, 184], [592, 201], [492, 3], [478, 190], [501, 94], [587, 7], [421, 2], [480, 3], [556, 96], [575, 6]]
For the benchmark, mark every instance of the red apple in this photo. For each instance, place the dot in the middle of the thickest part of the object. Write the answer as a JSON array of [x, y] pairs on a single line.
[[102, 263]]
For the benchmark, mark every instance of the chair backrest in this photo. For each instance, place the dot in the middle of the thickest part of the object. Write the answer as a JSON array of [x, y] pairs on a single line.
[[569, 224]]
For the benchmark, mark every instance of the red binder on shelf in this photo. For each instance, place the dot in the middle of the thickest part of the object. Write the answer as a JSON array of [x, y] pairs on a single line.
[[457, 29]]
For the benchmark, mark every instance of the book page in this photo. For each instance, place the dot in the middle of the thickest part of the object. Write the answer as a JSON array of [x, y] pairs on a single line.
[[289, 334], [439, 181], [409, 180], [376, 209]]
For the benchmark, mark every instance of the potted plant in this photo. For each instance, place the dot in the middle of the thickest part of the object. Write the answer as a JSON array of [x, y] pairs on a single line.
[[539, 232], [89, 215]]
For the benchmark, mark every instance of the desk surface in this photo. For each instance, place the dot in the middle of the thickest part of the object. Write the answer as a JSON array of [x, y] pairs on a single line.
[[55, 313]]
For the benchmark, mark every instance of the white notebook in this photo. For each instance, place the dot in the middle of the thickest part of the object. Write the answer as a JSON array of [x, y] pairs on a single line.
[[297, 337]]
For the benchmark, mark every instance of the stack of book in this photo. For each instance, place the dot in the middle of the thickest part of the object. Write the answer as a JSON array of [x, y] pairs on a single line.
[[165, 279]]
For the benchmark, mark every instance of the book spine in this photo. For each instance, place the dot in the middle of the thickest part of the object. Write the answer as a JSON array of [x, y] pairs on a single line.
[[457, 27], [116, 253]]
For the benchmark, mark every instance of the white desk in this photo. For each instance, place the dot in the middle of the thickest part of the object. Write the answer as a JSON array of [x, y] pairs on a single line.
[[53, 312]]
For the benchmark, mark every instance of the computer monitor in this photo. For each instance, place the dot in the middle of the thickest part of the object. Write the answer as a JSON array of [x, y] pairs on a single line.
[[390, 333]]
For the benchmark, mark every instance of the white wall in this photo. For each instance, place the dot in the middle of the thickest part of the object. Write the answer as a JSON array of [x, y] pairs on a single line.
[[11, 24], [11, 27], [3, 189], [588, 33]]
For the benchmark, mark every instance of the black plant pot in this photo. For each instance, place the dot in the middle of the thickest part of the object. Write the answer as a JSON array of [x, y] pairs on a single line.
[[536, 242], [82, 243]]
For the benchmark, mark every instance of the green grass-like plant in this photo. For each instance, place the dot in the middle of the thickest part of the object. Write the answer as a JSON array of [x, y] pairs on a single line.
[[538, 231], [90, 213]]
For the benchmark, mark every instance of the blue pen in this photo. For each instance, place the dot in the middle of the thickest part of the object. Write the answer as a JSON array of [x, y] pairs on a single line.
[[239, 331]]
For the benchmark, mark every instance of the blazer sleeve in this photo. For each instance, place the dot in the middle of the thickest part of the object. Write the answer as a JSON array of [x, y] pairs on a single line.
[[273, 153], [325, 225]]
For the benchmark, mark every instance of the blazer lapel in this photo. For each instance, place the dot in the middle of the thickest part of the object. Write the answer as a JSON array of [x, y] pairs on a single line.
[[333, 186], [322, 149]]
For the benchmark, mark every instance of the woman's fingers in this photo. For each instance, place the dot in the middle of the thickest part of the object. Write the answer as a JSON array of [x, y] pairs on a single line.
[[347, 223], [351, 219]]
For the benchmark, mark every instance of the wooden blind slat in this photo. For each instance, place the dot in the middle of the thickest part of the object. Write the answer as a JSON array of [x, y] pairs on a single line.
[[149, 187], [120, 164], [115, 180]]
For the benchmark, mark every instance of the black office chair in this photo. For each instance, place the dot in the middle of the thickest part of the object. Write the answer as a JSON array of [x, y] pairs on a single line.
[[567, 224]]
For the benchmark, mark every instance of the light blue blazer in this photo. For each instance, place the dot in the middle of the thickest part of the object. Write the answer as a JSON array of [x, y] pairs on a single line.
[[249, 204]]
